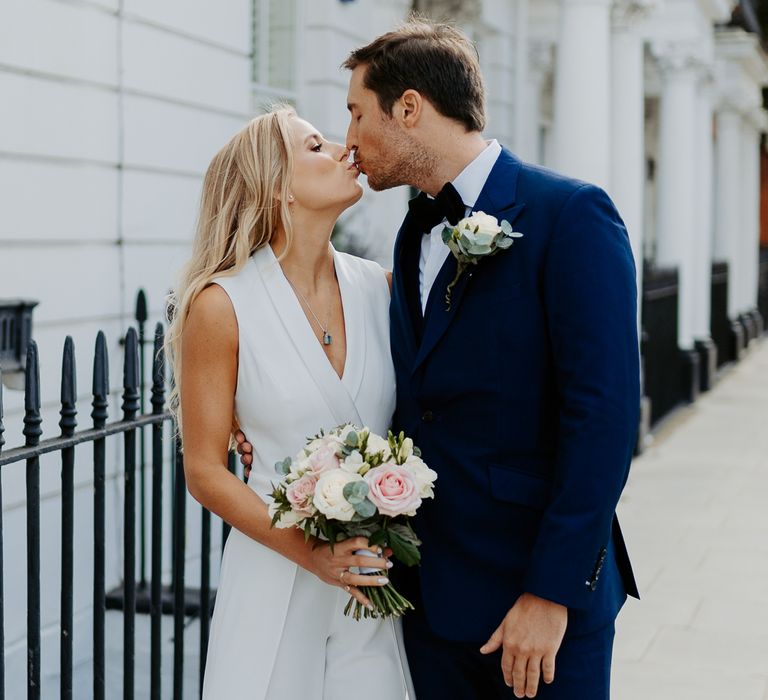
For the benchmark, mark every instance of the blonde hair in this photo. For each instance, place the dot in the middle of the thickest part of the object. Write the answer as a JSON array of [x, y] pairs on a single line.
[[243, 203]]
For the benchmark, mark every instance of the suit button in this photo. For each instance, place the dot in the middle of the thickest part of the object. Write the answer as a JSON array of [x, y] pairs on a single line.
[[427, 416]]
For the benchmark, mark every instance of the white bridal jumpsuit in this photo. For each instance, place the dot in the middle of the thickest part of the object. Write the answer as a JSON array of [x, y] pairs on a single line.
[[278, 632]]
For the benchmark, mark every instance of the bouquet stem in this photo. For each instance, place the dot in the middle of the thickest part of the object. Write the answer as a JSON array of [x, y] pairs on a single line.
[[386, 600]]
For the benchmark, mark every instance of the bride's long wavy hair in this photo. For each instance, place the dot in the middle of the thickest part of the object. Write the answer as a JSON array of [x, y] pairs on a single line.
[[243, 203]]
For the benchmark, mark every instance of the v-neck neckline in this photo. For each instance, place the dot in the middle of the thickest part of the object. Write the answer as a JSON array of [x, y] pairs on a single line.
[[308, 323]]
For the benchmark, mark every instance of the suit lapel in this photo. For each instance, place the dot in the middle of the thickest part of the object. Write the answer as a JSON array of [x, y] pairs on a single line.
[[497, 198], [405, 315]]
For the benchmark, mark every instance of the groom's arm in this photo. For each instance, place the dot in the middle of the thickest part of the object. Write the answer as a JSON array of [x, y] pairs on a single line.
[[590, 298]]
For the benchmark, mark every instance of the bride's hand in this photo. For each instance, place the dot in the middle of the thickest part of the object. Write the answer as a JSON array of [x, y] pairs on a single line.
[[245, 450], [332, 567]]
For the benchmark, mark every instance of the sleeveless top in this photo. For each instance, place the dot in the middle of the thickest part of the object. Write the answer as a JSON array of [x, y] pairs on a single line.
[[287, 389]]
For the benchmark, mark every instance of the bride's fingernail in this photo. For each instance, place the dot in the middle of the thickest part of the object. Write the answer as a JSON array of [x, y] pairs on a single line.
[[380, 551], [370, 606], [389, 564], [383, 580]]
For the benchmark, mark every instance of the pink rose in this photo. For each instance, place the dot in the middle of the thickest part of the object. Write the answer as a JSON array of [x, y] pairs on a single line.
[[323, 459], [393, 490], [300, 493]]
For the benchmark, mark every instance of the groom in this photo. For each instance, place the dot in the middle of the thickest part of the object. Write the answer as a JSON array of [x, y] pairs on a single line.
[[522, 393]]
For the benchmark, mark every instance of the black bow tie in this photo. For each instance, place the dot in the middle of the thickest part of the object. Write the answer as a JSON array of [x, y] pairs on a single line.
[[428, 213]]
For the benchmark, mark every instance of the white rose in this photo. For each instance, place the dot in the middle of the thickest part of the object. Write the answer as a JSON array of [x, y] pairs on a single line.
[[423, 476], [329, 494], [485, 223], [376, 444], [477, 233], [353, 463], [328, 440]]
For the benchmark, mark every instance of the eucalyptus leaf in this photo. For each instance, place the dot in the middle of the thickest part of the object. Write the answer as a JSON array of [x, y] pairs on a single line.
[[355, 492], [284, 466], [365, 508]]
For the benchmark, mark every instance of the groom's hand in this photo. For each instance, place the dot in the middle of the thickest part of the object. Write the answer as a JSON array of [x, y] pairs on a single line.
[[531, 634], [245, 450]]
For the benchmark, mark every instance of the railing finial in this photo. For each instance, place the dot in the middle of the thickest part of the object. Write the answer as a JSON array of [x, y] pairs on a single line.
[[100, 382], [32, 420], [131, 376], [68, 412]]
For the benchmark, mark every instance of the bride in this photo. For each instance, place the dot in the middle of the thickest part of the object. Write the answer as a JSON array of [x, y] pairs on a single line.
[[276, 332]]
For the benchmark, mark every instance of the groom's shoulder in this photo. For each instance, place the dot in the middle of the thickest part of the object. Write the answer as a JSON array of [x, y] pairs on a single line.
[[536, 181]]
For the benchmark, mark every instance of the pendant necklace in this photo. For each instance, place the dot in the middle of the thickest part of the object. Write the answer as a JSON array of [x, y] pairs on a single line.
[[327, 337]]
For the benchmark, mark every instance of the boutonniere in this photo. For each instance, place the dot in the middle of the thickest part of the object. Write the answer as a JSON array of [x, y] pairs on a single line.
[[476, 237]]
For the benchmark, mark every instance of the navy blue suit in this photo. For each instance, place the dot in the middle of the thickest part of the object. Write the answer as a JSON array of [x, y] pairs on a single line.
[[524, 397]]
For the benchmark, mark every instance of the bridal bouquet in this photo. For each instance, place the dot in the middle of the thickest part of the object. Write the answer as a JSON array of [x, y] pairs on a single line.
[[350, 482]]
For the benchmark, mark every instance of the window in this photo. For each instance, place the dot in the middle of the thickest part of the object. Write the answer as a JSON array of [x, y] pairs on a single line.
[[274, 50]]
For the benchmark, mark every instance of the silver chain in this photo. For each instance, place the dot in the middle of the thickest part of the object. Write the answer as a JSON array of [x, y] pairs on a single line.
[[327, 337]]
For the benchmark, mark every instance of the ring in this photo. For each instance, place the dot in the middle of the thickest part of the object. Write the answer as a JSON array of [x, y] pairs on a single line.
[[341, 575], [347, 589]]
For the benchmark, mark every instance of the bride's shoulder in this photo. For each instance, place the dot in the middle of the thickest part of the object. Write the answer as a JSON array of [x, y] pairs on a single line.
[[211, 312]]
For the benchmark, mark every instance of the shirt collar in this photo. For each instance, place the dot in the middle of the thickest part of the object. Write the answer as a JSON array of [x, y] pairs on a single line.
[[470, 181]]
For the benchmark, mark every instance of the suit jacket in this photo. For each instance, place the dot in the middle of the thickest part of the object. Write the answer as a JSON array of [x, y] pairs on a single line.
[[524, 397]]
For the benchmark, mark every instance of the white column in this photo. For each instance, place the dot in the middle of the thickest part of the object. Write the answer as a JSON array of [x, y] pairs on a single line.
[[522, 107], [539, 64], [582, 91], [677, 178], [627, 182], [728, 199], [750, 212], [701, 252]]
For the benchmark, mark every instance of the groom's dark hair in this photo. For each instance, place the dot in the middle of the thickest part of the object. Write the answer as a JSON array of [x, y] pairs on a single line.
[[437, 60]]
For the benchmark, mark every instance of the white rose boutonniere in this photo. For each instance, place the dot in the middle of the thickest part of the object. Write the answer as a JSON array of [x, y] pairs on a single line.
[[475, 237]]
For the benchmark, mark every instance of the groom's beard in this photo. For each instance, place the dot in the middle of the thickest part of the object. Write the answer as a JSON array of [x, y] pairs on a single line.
[[408, 163]]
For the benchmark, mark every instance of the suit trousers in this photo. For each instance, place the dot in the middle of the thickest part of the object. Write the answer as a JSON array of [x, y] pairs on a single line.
[[447, 670]]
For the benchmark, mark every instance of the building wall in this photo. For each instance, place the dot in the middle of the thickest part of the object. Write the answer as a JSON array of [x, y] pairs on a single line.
[[111, 110], [330, 31]]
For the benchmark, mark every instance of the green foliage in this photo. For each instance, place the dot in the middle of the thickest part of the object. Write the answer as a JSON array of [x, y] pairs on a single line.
[[283, 467], [404, 543]]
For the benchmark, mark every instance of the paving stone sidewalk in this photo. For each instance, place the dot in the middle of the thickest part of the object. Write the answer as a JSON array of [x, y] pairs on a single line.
[[695, 516]]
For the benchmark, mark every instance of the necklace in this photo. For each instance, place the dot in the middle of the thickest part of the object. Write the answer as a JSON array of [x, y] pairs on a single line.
[[327, 337]]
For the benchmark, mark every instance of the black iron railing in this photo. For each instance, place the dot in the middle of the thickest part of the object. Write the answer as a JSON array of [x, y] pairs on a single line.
[[720, 323], [663, 367], [762, 295], [175, 600]]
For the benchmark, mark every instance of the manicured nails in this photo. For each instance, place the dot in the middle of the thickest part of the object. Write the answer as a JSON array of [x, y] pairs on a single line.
[[390, 564], [383, 581]]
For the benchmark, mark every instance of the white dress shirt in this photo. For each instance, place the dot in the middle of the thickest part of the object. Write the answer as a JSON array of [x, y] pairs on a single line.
[[468, 183]]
